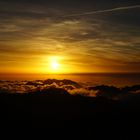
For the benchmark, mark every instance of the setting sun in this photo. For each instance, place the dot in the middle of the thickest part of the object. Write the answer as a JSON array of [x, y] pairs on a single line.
[[54, 65]]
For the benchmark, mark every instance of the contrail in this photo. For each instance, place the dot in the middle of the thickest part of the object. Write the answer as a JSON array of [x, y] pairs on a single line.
[[104, 11]]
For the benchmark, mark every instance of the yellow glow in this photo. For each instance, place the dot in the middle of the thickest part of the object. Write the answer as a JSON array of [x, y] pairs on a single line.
[[54, 65]]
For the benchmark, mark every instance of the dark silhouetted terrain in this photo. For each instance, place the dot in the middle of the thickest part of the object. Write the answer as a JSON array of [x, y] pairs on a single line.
[[110, 109]]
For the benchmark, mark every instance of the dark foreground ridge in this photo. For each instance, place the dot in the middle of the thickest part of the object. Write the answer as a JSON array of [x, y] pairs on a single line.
[[55, 107]]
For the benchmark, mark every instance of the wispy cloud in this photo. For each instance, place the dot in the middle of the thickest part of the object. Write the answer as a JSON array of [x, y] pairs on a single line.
[[30, 32], [104, 11]]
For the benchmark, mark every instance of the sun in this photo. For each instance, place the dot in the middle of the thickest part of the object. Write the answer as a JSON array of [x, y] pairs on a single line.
[[54, 65]]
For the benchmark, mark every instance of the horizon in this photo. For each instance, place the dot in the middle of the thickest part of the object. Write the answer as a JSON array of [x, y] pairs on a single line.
[[115, 79]]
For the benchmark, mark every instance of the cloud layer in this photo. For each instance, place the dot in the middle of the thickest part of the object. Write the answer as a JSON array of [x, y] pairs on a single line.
[[53, 86]]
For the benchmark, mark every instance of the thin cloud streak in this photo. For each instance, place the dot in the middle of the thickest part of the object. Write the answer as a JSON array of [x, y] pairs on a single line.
[[104, 11]]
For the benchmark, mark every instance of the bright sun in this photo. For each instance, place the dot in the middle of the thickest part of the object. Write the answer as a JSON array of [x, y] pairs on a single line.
[[54, 65]]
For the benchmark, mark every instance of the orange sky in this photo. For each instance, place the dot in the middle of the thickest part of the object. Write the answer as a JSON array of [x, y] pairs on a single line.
[[63, 38]]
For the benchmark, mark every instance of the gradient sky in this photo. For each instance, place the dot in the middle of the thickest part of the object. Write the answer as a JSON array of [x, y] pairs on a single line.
[[83, 35]]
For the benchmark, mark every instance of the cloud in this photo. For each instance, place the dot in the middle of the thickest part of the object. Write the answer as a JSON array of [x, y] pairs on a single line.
[[33, 31], [83, 92], [71, 87], [104, 11]]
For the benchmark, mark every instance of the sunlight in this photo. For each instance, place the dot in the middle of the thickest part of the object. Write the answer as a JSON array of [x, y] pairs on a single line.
[[54, 64]]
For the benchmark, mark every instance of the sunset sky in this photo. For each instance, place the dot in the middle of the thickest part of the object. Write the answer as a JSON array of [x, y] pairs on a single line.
[[69, 36]]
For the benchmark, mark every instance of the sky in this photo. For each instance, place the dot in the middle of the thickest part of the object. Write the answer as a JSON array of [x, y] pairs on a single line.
[[69, 36]]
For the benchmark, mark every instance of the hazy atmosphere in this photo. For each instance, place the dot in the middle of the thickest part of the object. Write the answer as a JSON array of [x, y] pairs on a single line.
[[69, 36]]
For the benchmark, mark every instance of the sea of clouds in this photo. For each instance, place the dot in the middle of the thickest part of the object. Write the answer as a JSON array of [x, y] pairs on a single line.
[[73, 88]]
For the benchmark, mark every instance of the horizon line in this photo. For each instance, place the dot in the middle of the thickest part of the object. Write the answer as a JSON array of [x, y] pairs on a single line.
[[67, 73]]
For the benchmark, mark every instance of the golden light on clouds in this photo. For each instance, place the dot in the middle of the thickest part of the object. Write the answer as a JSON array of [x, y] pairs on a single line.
[[45, 41]]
